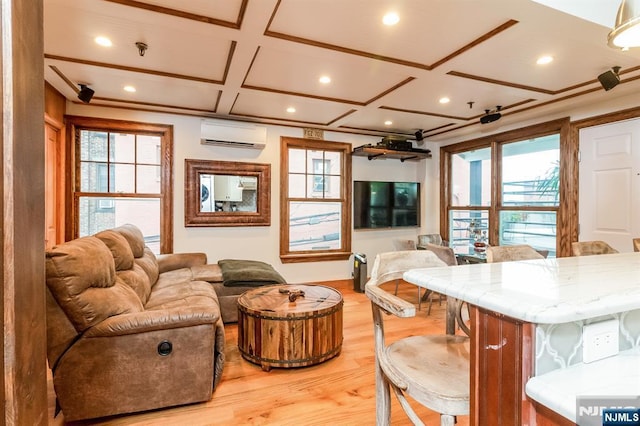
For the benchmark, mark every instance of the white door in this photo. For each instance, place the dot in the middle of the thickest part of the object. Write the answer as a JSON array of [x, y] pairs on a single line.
[[609, 184]]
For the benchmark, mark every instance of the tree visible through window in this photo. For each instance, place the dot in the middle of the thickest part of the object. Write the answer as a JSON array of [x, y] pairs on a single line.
[[315, 200], [119, 179]]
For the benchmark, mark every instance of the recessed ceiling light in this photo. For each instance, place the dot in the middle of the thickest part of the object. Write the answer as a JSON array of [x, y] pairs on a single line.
[[444, 100], [325, 79], [129, 89], [544, 60], [291, 110], [103, 41], [388, 123], [390, 18]]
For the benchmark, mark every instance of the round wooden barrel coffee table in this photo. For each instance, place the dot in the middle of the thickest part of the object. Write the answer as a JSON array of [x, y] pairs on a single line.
[[290, 325]]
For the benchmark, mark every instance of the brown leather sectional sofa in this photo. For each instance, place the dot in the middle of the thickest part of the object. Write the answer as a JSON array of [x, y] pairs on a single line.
[[127, 331]]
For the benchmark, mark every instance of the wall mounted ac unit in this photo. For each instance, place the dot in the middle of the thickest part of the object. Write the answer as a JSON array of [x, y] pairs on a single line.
[[233, 134]]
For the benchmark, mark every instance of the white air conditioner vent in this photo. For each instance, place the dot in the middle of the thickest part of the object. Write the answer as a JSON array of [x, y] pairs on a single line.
[[233, 134]]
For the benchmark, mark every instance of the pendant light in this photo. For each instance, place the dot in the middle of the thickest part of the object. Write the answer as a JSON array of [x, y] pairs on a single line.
[[626, 32]]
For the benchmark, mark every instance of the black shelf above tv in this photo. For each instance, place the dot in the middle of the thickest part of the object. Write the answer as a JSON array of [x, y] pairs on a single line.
[[374, 153]]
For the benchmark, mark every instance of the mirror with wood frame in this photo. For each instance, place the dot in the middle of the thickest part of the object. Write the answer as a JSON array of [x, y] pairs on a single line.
[[226, 193]]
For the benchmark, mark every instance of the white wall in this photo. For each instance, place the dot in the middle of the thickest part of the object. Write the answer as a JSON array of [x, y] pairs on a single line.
[[262, 243]]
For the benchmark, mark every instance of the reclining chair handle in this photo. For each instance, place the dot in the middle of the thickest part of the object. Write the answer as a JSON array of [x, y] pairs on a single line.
[[164, 348]]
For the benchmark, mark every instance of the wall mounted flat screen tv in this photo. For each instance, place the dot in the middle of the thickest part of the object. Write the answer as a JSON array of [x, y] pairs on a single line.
[[385, 204]]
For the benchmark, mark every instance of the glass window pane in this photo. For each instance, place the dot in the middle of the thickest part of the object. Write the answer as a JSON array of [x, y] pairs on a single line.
[[314, 226], [123, 178], [530, 172], [93, 145], [93, 177], [148, 179], [99, 213], [315, 162], [333, 162], [123, 148], [535, 228], [334, 165], [297, 186], [465, 226], [148, 149], [297, 160], [332, 187], [471, 178], [316, 186]]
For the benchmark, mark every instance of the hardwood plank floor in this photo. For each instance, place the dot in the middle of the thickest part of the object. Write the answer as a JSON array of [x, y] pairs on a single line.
[[340, 391]]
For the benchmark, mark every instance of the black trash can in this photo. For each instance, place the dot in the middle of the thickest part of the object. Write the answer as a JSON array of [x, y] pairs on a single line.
[[359, 271]]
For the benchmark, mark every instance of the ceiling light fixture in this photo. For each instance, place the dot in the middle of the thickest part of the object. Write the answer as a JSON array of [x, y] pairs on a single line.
[[388, 123], [85, 94], [626, 32], [103, 41], [491, 116], [142, 47], [444, 100], [390, 18], [610, 79], [325, 79], [544, 60], [129, 89], [291, 110]]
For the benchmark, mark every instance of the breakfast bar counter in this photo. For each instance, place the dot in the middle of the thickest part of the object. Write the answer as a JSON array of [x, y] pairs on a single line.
[[526, 321]]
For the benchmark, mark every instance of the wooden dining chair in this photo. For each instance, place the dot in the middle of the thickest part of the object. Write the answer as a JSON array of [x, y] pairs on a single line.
[[429, 239], [445, 254], [636, 244], [497, 254], [403, 245], [431, 369], [590, 248]]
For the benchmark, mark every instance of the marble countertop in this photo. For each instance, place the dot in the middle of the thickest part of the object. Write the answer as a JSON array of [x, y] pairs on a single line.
[[558, 390], [548, 291]]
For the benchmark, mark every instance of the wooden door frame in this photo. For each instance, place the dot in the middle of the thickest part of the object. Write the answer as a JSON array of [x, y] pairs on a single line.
[[60, 185]]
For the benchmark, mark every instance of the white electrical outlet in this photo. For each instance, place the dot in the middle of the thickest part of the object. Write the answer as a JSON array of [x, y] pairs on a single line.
[[600, 340]]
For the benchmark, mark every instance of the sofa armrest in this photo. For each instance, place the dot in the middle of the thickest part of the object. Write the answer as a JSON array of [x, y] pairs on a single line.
[[172, 261], [142, 322]]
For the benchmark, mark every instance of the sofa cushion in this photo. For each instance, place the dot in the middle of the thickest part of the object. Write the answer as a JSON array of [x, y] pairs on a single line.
[[82, 279], [174, 277], [210, 272], [138, 280], [134, 237], [149, 264], [120, 248], [182, 293]]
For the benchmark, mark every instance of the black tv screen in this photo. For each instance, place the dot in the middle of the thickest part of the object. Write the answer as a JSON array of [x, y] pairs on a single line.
[[385, 204]]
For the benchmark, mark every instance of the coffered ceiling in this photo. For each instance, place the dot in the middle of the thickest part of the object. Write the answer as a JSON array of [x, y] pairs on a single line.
[[253, 59]]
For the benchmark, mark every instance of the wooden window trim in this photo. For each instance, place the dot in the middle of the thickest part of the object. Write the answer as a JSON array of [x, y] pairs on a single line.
[[165, 132], [566, 210], [344, 252]]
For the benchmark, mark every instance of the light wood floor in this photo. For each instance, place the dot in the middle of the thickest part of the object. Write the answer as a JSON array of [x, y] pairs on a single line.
[[340, 391]]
